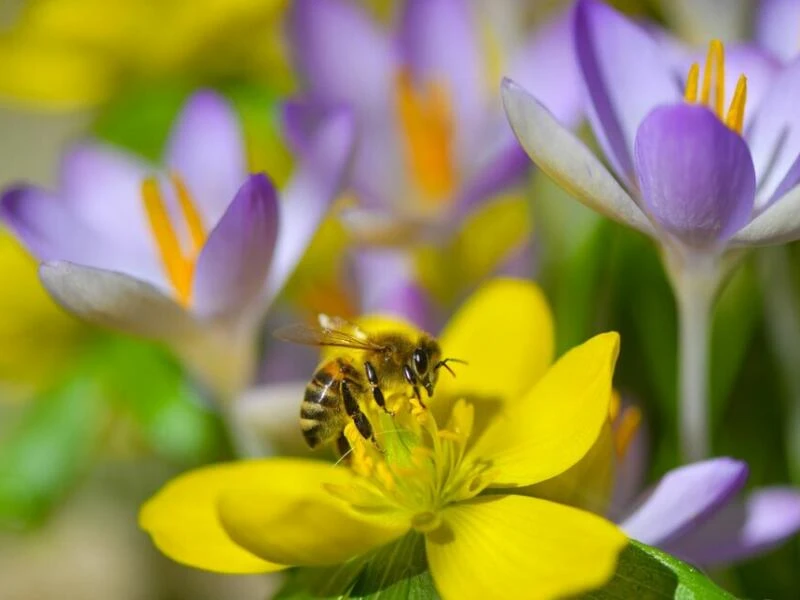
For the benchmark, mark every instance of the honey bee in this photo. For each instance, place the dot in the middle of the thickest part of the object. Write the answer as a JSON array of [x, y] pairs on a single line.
[[372, 363]]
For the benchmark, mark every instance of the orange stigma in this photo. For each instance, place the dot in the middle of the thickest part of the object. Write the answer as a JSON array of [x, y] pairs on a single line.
[[178, 262], [712, 92], [427, 129]]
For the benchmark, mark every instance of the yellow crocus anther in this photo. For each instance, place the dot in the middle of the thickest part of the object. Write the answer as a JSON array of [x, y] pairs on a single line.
[[178, 264], [427, 129], [691, 84], [735, 116], [712, 91]]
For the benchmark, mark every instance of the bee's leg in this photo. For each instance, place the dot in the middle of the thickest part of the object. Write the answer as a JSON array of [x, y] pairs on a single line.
[[343, 446], [409, 376], [377, 393], [354, 412]]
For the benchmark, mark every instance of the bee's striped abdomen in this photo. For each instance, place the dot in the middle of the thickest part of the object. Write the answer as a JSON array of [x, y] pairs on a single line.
[[321, 414]]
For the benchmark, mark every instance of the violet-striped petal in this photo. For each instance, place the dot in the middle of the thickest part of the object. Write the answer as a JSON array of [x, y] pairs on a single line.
[[342, 56], [778, 27], [774, 135], [546, 66], [309, 194], [50, 229], [696, 175], [206, 148], [439, 41], [116, 300], [232, 267], [683, 499], [744, 528], [626, 74], [102, 186], [567, 160]]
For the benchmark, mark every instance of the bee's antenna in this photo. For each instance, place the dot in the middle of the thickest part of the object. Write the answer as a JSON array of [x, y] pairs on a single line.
[[443, 363]]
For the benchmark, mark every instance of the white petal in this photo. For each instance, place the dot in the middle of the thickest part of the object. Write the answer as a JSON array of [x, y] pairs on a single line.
[[560, 154], [777, 224], [116, 300]]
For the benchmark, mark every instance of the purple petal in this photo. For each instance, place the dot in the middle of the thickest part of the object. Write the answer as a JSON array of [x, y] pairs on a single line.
[[342, 56], [117, 301], [778, 27], [546, 65], [742, 529], [439, 41], [49, 228], [308, 196], [696, 175], [206, 148], [505, 167], [626, 74], [233, 265], [774, 135], [778, 223], [388, 285], [684, 498], [760, 69], [102, 186]]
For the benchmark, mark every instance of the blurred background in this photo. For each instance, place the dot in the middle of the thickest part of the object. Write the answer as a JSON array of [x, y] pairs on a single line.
[[93, 422]]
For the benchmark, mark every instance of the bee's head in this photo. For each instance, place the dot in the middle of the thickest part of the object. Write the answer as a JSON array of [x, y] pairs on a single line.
[[426, 360]]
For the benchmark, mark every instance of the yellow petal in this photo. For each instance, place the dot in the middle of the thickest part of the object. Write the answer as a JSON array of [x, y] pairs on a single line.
[[505, 332], [587, 484], [555, 424], [183, 518], [295, 520], [519, 547]]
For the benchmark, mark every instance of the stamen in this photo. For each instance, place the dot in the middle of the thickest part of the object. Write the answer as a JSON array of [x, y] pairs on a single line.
[[178, 269], [629, 423], [427, 126], [190, 213], [715, 66], [735, 117], [691, 84], [712, 92]]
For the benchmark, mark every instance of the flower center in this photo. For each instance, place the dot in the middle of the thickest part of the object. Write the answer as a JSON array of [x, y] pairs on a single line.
[[712, 92], [417, 468], [427, 130], [177, 260]]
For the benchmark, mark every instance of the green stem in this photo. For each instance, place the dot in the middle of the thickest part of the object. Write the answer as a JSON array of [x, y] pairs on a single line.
[[783, 327]]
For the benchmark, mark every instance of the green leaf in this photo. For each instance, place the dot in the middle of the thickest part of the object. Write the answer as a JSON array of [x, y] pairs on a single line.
[[647, 573], [48, 449], [397, 571]]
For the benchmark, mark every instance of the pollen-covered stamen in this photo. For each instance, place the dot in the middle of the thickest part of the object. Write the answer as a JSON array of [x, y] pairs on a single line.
[[712, 92], [427, 129], [178, 263], [417, 468]]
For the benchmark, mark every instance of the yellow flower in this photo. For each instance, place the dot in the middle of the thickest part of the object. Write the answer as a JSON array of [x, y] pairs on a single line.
[[453, 473], [74, 53]]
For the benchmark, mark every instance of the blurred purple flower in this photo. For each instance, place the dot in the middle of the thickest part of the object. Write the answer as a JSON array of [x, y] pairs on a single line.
[[432, 140], [190, 253], [699, 513]]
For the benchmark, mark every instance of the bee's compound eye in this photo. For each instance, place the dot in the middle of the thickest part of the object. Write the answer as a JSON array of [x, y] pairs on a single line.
[[420, 361]]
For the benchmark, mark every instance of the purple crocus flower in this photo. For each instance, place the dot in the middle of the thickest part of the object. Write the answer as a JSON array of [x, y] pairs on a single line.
[[189, 253], [432, 141], [700, 513], [694, 168]]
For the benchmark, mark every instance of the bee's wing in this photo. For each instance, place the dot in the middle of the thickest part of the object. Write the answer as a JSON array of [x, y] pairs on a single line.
[[322, 336]]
